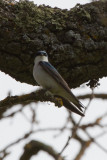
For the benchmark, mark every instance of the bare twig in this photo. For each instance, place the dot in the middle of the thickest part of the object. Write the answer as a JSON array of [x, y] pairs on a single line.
[[96, 95], [76, 127], [29, 134], [98, 144], [83, 148]]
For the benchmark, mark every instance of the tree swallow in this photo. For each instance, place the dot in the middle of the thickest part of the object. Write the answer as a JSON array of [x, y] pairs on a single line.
[[49, 78]]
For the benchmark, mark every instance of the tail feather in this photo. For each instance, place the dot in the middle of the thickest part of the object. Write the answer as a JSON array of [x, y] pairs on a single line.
[[80, 105], [71, 107], [75, 101]]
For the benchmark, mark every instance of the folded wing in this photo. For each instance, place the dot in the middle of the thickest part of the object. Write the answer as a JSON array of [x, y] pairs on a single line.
[[54, 73]]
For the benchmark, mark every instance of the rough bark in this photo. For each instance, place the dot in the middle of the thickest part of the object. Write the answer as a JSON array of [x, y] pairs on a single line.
[[75, 39]]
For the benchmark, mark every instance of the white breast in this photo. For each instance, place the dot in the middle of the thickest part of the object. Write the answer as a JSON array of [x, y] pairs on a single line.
[[44, 79], [41, 77]]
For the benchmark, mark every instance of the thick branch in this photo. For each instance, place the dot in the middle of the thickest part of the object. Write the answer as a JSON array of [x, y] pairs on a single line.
[[76, 40], [39, 95], [33, 147]]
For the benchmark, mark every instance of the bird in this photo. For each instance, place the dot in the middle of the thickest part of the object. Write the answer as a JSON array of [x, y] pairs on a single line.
[[48, 77]]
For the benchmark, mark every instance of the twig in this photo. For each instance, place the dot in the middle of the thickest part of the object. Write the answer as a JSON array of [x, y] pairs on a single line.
[[29, 133], [96, 95], [93, 140], [76, 127]]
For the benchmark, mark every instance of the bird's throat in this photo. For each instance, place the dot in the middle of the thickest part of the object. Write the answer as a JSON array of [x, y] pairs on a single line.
[[40, 58]]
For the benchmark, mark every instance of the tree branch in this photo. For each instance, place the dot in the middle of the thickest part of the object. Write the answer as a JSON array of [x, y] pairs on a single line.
[[96, 95], [84, 147], [39, 95], [33, 147], [76, 40]]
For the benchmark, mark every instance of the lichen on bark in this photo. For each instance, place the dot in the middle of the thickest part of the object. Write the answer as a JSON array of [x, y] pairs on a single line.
[[75, 39]]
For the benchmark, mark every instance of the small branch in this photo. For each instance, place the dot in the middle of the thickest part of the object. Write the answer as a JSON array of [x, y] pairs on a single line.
[[75, 130], [29, 134], [98, 144], [84, 146], [96, 122], [75, 127], [97, 96]]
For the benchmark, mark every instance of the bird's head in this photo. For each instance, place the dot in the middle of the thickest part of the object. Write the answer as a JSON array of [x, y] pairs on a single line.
[[41, 53], [40, 56]]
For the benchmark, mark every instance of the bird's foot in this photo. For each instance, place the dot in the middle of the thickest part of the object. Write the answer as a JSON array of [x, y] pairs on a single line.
[[60, 102]]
